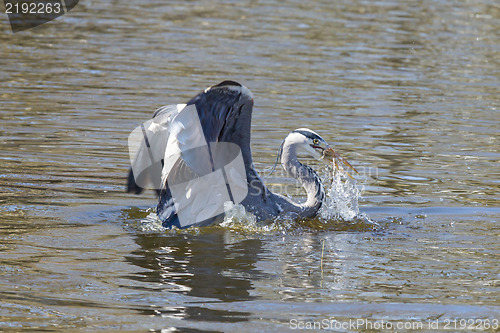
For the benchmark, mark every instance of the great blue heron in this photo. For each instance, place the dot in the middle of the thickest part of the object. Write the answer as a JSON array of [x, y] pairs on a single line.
[[197, 156]]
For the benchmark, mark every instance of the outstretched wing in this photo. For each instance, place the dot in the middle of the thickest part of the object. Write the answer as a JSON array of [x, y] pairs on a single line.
[[147, 144], [206, 155]]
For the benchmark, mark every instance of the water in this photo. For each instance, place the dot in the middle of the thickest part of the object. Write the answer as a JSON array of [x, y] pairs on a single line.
[[407, 92]]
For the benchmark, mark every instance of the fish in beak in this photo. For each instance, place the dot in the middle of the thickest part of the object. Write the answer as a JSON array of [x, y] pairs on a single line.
[[332, 156]]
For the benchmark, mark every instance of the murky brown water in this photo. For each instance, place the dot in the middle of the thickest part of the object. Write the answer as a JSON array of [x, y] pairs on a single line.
[[407, 91]]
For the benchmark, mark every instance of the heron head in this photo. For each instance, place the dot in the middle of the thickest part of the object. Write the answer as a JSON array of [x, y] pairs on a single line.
[[317, 147], [310, 141]]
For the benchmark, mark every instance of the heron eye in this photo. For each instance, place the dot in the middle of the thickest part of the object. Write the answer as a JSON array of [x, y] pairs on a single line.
[[315, 141]]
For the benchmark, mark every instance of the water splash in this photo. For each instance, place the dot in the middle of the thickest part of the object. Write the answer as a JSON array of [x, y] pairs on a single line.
[[340, 211], [342, 197], [236, 213], [237, 219], [151, 223]]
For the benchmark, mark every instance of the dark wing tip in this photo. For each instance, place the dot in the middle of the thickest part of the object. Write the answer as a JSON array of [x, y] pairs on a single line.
[[132, 185]]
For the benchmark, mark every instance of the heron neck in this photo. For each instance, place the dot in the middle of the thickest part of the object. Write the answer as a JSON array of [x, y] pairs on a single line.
[[306, 176]]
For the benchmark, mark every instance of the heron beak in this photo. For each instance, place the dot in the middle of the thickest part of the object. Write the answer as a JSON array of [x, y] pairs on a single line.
[[332, 156]]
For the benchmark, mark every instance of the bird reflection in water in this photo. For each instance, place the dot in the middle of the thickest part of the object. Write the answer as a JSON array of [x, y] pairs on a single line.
[[205, 268]]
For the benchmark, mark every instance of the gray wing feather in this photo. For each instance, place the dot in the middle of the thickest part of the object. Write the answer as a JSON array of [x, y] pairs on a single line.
[[215, 115]]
